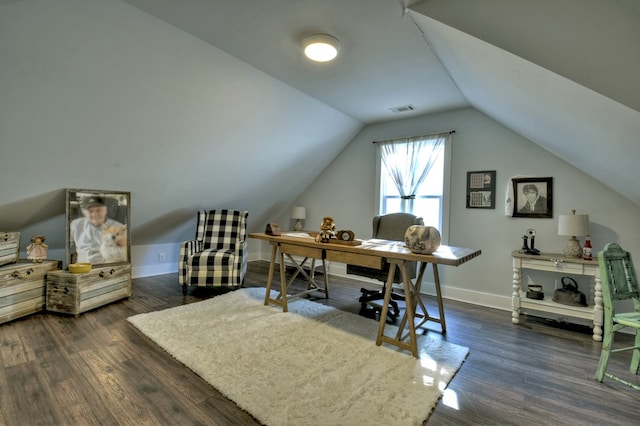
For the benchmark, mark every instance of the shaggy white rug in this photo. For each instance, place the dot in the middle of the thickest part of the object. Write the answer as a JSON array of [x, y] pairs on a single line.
[[314, 365]]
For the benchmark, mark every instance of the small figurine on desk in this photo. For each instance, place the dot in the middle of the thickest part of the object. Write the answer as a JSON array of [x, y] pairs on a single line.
[[37, 250], [531, 234], [327, 230]]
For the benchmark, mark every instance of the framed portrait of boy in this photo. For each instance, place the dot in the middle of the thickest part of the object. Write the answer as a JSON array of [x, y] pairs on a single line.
[[97, 227], [533, 197]]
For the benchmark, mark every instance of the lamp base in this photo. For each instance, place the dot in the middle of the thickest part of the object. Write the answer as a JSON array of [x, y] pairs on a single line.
[[298, 226], [573, 248]]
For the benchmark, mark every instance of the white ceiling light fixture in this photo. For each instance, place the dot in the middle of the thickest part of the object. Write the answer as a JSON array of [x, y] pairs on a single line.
[[321, 47]]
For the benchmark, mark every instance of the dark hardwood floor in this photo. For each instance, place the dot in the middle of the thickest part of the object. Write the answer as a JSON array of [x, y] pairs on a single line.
[[99, 370]]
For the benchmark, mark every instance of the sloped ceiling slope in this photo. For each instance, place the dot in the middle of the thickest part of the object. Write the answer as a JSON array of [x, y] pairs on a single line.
[[97, 94], [562, 74], [580, 99], [383, 63]]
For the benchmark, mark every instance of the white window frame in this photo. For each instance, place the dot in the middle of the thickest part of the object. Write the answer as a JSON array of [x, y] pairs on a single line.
[[446, 191]]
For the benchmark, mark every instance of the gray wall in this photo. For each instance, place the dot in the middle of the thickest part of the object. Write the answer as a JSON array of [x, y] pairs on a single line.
[[97, 94], [346, 191]]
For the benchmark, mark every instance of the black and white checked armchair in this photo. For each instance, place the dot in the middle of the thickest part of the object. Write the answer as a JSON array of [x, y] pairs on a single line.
[[217, 257]]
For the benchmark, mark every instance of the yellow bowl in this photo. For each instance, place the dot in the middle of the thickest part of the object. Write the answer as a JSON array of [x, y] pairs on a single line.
[[79, 268]]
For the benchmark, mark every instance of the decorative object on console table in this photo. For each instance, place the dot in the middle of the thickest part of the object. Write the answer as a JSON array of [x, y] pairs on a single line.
[[573, 225], [22, 288], [299, 214], [526, 248], [9, 247], [71, 293], [557, 264], [587, 251]]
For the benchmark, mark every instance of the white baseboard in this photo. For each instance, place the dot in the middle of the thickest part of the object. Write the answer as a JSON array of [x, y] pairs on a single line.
[[448, 291], [152, 270]]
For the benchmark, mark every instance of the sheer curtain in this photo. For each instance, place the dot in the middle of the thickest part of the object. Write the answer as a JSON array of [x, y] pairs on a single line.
[[408, 161]]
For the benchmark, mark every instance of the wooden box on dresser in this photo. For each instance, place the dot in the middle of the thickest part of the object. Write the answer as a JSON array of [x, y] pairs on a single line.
[[22, 288], [70, 293]]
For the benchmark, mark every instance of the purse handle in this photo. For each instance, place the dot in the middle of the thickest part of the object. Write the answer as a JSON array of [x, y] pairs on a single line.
[[565, 285]]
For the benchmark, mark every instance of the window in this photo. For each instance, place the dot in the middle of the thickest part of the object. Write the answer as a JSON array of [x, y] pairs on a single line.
[[413, 177]]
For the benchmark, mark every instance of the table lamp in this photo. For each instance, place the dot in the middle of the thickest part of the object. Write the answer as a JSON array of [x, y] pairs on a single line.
[[299, 214], [573, 225]]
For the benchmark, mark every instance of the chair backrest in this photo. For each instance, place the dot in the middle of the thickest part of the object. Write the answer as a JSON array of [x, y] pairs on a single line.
[[393, 226], [221, 229], [618, 276]]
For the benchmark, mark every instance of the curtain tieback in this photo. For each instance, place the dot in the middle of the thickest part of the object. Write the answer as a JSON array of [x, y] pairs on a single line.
[[408, 197]]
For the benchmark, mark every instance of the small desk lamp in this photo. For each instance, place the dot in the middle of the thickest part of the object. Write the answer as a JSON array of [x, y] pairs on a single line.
[[299, 214], [573, 225]]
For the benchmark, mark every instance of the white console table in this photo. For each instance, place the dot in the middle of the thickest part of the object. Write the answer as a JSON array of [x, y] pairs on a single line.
[[558, 263]]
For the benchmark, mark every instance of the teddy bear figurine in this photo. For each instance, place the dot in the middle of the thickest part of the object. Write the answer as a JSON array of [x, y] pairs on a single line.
[[37, 250], [327, 230]]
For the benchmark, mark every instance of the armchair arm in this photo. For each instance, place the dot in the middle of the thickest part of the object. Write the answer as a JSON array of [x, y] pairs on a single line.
[[187, 248]]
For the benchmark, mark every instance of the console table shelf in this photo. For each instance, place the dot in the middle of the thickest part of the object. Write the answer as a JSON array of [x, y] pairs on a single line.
[[560, 264]]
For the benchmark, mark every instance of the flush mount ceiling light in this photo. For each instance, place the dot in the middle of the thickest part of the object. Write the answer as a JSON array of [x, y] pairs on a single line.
[[321, 47]]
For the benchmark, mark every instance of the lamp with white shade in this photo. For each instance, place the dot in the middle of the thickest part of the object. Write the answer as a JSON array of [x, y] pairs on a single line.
[[573, 225], [299, 214]]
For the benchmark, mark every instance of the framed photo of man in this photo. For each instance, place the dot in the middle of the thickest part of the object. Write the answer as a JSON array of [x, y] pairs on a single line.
[[98, 227], [533, 197]]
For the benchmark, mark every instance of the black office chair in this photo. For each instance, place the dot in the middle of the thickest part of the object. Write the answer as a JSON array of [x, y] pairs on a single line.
[[387, 227]]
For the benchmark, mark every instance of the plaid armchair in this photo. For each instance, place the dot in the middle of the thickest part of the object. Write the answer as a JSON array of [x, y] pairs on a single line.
[[218, 255]]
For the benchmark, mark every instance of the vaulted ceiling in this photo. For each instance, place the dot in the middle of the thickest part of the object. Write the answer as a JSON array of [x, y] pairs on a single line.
[[562, 74]]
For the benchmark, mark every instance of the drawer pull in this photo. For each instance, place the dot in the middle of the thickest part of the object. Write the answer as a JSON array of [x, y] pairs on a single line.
[[556, 262], [103, 274], [17, 274]]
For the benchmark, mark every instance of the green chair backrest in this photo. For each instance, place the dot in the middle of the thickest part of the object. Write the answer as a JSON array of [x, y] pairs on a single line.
[[619, 280]]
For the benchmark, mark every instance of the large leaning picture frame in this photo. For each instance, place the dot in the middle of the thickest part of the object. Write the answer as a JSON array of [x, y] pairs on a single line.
[[533, 197], [97, 227]]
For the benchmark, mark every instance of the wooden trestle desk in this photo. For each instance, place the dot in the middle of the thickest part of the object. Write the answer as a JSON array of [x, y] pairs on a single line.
[[370, 253]]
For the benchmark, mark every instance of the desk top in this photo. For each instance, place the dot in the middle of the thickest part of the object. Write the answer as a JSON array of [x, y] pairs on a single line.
[[445, 255]]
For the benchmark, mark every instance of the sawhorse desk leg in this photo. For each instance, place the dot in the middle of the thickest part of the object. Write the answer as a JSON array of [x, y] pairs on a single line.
[[283, 298], [412, 299]]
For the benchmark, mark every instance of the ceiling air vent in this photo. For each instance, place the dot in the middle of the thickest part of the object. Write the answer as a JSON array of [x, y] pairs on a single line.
[[403, 108]]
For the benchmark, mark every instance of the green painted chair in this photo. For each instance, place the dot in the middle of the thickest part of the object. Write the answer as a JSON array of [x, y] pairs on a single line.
[[619, 282]]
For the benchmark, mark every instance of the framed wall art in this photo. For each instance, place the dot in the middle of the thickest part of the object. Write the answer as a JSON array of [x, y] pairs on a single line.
[[98, 226], [481, 189], [533, 197]]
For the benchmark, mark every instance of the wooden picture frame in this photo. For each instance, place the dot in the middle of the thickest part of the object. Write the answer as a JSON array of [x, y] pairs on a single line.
[[533, 197], [97, 227], [481, 189]]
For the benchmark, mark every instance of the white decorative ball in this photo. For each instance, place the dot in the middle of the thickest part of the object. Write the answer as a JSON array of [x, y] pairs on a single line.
[[422, 239]]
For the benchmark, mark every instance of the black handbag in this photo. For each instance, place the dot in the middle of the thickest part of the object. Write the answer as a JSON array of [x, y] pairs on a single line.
[[569, 293]]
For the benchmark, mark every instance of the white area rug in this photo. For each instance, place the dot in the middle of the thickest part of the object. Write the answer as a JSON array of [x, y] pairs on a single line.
[[314, 365]]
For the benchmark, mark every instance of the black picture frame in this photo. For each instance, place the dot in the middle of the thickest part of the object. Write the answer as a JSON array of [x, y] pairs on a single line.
[[86, 241], [481, 189], [542, 187]]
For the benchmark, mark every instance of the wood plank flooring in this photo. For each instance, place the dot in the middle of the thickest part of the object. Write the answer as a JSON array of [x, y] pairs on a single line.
[[99, 370]]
